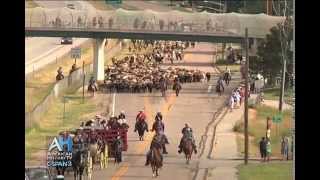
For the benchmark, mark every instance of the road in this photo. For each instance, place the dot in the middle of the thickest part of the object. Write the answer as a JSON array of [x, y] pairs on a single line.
[[41, 51], [196, 105]]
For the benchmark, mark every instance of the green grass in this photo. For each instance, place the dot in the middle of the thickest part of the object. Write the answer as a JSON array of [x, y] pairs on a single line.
[[266, 171], [257, 129], [274, 94], [102, 5], [53, 122]]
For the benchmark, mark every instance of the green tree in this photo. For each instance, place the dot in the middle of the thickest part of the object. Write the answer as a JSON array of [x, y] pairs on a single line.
[[269, 61]]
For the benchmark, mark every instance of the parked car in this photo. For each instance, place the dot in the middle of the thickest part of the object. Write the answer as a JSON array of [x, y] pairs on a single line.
[[37, 173], [66, 40]]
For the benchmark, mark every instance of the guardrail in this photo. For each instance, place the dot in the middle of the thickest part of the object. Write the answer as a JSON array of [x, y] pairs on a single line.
[[74, 80]]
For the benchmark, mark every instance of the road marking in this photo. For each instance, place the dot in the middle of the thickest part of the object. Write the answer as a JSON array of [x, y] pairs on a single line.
[[113, 103], [42, 56], [209, 88], [140, 148], [122, 170]]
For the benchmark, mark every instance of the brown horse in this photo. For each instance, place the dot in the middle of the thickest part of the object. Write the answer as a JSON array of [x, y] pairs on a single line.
[[188, 149], [155, 161]]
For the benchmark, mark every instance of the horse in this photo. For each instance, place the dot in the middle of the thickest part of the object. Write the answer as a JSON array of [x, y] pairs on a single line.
[[163, 89], [177, 87], [155, 161], [92, 88], [141, 127], [227, 78], [187, 149], [80, 163], [93, 148], [59, 77], [117, 149]]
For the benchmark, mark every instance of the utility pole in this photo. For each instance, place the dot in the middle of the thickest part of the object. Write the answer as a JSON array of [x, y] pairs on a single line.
[[246, 138], [282, 82], [84, 78]]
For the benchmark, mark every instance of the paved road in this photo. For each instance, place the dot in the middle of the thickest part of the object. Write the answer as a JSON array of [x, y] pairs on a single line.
[[41, 51], [196, 105]]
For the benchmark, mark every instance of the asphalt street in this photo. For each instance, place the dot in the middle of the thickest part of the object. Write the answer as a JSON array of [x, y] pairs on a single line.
[[196, 105]]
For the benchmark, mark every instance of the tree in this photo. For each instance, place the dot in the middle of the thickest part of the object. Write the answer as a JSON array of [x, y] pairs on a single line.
[[269, 61]]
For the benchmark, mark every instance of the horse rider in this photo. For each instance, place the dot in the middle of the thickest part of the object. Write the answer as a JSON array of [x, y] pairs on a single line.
[[158, 127], [141, 118], [187, 134], [220, 83], [92, 82], [118, 143], [60, 72], [155, 143], [208, 76], [73, 68], [177, 87]]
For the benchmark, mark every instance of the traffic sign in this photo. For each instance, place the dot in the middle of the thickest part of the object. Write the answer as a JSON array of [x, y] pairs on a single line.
[[75, 53], [277, 118]]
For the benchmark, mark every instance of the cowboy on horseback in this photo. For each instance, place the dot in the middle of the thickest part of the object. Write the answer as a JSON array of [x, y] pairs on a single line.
[[60, 74], [177, 87], [227, 75], [187, 134], [155, 143], [220, 87], [141, 118], [158, 126]]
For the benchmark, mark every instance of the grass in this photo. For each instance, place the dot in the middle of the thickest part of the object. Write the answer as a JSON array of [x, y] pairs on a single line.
[[274, 94], [270, 171], [53, 122], [31, 4], [40, 83], [102, 5], [257, 129]]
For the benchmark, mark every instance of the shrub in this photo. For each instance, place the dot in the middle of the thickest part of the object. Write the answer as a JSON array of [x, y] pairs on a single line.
[[251, 103], [221, 62], [238, 126]]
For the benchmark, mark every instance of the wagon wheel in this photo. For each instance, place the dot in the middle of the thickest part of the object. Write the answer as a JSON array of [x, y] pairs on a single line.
[[89, 168], [102, 165], [106, 157]]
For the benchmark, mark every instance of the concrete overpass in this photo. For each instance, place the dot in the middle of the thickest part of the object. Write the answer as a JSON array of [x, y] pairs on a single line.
[[122, 24]]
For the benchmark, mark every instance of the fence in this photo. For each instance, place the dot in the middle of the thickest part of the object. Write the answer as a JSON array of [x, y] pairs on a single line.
[[75, 80]]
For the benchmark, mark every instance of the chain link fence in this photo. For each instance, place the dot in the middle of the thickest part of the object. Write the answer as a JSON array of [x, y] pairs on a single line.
[[152, 21]]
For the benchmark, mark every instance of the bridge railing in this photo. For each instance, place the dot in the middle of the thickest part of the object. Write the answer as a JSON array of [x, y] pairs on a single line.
[[150, 21]]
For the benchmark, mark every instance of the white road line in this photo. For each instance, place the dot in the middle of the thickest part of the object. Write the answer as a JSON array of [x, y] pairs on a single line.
[[209, 88], [113, 103]]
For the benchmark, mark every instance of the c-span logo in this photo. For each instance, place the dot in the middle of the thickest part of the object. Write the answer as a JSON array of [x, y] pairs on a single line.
[[55, 144], [60, 152]]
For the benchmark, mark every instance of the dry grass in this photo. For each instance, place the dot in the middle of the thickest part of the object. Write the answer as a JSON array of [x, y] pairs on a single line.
[[31, 4], [40, 83], [53, 121], [257, 129]]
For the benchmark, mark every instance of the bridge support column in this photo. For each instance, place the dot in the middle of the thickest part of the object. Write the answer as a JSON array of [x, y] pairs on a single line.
[[98, 61]]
